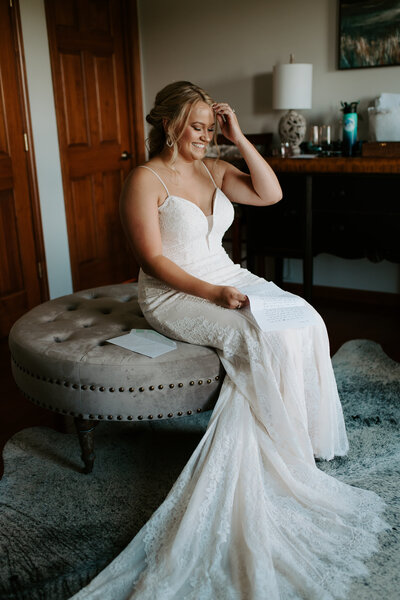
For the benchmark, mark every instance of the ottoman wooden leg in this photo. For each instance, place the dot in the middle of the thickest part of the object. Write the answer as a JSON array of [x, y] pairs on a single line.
[[86, 439]]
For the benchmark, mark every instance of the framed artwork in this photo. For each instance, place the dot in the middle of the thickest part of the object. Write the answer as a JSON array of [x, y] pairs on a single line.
[[369, 33]]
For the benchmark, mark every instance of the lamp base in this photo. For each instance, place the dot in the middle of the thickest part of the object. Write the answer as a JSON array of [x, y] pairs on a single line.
[[292, 129]]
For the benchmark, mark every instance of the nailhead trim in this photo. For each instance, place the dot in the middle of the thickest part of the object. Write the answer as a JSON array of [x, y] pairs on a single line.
[[102, 388]]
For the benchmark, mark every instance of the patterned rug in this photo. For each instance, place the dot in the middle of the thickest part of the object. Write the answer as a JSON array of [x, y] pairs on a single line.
[[58, 527]]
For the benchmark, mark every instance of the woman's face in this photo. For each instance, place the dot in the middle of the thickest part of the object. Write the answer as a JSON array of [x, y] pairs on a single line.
[[198, 133]]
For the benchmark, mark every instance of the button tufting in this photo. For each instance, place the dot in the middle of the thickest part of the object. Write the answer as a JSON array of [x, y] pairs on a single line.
[[170, 415], [93, 387], [110, 417], [112, 389], [150, 417], [160, 387], [151, 388], [200, 382], [140, 417], [131, 389], [189, 412], [208, 380], [180, 384], [191, 383], [199, 410], [129, 417], [141, 389], [180, 413], [119, 417], [84, 387], [102, 389], [160, 416], [171, 385], [121, 389]]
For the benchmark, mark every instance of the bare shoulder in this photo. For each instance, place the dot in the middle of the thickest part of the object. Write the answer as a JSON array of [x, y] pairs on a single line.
[[142, 183], [217, 168]]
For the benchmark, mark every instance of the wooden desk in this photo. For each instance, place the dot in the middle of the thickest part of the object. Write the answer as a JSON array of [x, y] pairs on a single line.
[[349, 207]]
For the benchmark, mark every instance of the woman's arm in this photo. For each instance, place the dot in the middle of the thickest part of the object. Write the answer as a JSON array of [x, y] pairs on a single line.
[[261, 187], [139, 215]]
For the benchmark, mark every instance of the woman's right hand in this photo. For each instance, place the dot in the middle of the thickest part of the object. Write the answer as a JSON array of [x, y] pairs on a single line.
[[229, 297]]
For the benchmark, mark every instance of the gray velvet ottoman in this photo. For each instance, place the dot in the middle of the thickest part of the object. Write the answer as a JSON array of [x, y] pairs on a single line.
[[61, 361]]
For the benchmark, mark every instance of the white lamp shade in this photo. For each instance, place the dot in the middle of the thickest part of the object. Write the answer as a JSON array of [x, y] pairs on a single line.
[[292, 86]]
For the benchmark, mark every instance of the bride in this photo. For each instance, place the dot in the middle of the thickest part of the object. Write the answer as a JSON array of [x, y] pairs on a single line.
[[251, 517]]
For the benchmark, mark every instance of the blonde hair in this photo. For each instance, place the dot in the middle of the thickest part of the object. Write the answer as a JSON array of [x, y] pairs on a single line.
[[170, 115]]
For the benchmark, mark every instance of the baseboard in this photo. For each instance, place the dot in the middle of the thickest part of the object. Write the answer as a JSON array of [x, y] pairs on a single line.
[[347, 295]]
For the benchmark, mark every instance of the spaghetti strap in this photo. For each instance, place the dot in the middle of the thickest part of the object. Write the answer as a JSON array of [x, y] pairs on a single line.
[[211, 177], [158, 177]]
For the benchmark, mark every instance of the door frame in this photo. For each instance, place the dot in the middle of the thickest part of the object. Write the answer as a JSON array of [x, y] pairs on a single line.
[[30, 164]]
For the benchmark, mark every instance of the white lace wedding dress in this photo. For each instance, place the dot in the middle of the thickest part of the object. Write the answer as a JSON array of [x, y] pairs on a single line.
[[250, 517]]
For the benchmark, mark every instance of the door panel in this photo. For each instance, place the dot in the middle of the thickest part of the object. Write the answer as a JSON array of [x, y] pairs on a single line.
[[92, 75], [19, 276]]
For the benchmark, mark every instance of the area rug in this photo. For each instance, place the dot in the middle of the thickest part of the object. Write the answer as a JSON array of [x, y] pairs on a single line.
[[58, 527]]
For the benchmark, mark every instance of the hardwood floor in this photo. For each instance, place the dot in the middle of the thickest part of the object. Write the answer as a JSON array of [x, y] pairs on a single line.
[[345, 320]]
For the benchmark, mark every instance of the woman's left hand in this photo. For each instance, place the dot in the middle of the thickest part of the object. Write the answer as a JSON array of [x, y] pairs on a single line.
[[228, 122]]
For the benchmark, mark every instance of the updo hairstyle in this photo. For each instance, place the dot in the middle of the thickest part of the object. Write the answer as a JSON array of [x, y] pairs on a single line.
[[173, 104]]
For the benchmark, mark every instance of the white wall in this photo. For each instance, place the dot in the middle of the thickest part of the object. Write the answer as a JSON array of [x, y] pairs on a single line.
[[40, 89], [230, 46]]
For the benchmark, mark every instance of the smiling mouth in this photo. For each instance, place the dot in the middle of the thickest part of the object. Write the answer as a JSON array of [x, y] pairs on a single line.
[[201, 146]]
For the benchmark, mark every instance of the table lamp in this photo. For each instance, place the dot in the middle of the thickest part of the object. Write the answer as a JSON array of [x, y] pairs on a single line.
[[292, 89]]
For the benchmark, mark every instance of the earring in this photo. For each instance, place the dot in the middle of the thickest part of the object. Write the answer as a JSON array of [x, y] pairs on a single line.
[[169, 142]]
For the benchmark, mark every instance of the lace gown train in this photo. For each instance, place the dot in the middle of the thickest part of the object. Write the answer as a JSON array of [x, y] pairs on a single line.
[[250, 517]]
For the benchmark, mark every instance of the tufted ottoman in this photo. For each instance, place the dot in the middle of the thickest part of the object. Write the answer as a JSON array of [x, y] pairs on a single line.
[[61, 361]]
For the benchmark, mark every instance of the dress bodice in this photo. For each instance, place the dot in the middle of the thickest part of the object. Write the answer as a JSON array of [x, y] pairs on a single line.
[[187, 234]]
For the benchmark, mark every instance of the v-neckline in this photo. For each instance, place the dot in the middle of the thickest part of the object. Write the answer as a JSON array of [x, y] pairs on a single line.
[[213, 202]]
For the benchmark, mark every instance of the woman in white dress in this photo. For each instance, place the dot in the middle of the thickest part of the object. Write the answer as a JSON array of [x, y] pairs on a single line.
[[251, 517]]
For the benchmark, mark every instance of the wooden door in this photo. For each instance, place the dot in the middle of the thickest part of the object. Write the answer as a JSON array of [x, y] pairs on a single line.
[[96, 78], [21, 245]]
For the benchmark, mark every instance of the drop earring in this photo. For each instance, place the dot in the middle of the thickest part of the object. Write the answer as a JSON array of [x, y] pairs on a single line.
[[169, 142]]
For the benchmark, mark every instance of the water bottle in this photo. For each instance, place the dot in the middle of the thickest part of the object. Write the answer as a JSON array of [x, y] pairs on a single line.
[[350, 121]]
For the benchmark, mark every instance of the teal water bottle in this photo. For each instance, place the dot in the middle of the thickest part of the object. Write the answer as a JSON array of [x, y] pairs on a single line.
[[350, 121]]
